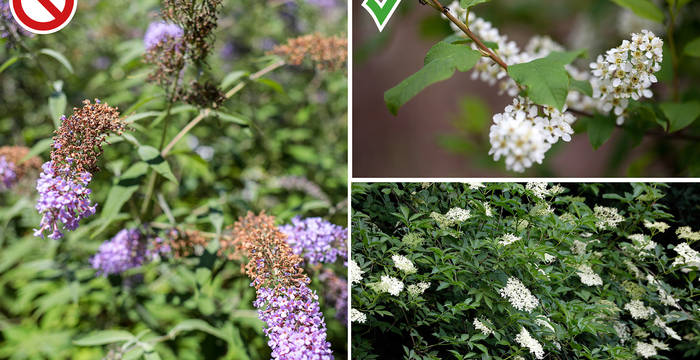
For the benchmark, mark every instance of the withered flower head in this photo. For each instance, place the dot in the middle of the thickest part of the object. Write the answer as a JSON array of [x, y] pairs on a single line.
[[179, 243], [12, 156], [78, 141], [271, 261], [198, 20], [326, 53]]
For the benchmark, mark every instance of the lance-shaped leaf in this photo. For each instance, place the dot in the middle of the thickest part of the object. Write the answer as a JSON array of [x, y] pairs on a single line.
[[545, 80], [440, 64]]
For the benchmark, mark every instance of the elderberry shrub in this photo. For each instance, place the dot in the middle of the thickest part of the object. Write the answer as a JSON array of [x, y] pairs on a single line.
[[536, 270], [173, 182]]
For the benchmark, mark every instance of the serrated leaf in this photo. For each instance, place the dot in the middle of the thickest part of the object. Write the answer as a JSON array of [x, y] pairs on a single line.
[[643, 8], [104, 337], [58, 57], [546, 81], [680, 115], [691, 49], [440, 64], [599, 129], [466, 4], [151, 156]]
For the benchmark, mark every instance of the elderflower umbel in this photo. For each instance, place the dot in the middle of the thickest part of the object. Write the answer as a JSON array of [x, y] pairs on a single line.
[[626, 72], [404, 264], [544, 321], [389, 284], [518, 295], [638, 310], [527, 341], [669, 331], [539, 189], [665, 297], [687, 233], [354, 272], [458, 214], [642, 244], [687, 257], [588, 277], [357, 316], [659, 226], [608, 217], [549, 258], [418, 289], [622, 330], [645, 350], [508, 239], [481, 327], [412, 240], [475, 185], [487, 209], [579, 247]]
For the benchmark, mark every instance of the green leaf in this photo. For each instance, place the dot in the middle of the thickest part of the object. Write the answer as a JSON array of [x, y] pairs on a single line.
[[231, 78], [201, 325], [599, 129], [643, 8], [58, 57], [680, 115], [138, 116], [151, 356], [119, 193], [440, 64], [152, 157], [9, 63], [236, 119], [691, 49], [57, 107], [546, 80], [466, 4], [583, 87], [38, 148], [104, 337]]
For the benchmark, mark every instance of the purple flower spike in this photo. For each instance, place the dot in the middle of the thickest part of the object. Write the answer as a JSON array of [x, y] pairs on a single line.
[[8, 176], [295, 326], [124, 251], [317, 240], [160, 31], [63, 198]]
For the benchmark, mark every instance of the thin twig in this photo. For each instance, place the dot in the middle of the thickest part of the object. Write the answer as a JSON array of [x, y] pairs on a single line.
[[204, 113]]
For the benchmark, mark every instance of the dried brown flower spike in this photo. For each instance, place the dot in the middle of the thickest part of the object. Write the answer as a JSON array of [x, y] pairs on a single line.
[[327, 53], [78, 141], [179, 243]]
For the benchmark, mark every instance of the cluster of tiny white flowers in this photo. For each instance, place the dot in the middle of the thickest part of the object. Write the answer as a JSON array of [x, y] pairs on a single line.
[[642, 244], [638, 310], [626, 72], [659, 226], [645, 350], [538, 188], [357, 316], [568, 218], [487, 208], [527, 341], [664, 296], [404, 264], [475, 185], [685, 232], [481, 327], [608, 217], [669, 331], [556, 189], [549, 258], [418, 289], [588, 277], [687, 257], [354, 272], [389, 284], [458, 214], [659, 344], [623, 332], [518, 295], [634, 269], [544, 321], [508, 239], [541, 209], [522, 134], [579, 247]]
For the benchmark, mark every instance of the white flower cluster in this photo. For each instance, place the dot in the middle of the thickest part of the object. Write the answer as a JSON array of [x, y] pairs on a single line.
[[588, 277], [475, 185], [354, 272], [549, 258], [638, 310], [622, 330], [626, 72], [633, 269], [544, 321], [524, 132], [645, 350], [389, 284], [579, 247], [527, 341], [357, 316], [404, 264], [481, 327], [608, 217], [685, 232], [669, 331], [458, 215], [539, 188], [518, 295], [418, 289], [642, 244], [664, 296], [541, 209], [487, 209], [659, 226], [687, 257], [508, 239]]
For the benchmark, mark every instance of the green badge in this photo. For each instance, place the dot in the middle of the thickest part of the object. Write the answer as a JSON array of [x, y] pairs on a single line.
[[381, 10]]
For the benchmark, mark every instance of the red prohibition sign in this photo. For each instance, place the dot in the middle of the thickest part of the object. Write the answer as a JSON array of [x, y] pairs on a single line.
[[25, 15]]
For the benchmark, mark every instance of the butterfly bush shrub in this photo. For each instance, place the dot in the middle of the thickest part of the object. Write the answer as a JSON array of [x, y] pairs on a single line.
[[173, 183], [559, 90], [523, 271]]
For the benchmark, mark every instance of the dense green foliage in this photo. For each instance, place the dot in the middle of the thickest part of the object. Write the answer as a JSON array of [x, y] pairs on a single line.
[[468, 258]]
